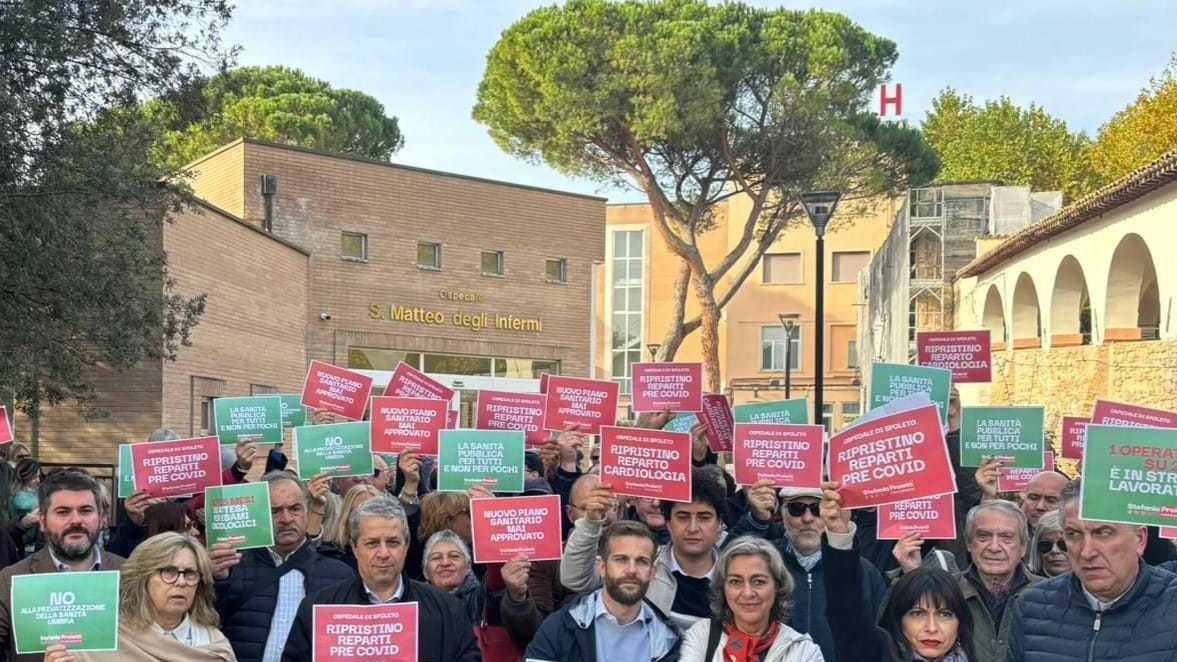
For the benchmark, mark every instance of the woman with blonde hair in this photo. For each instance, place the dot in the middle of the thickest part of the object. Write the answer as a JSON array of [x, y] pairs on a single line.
[[166, 611], [336, 544], [1048, 550]]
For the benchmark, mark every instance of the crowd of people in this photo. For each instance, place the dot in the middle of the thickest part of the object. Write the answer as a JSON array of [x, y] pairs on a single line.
[[738, 574]]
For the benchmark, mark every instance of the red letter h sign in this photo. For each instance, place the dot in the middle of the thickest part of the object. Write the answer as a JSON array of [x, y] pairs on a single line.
[[896, 100]]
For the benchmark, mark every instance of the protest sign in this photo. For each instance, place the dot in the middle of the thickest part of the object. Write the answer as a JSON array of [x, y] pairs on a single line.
[[5, 426], [257, 418], [718, 419], [1129, 475], [543, 382], [126, 472], [667, 386], [239, 515], [502, 410], [409, 382], [404, 424], [490, 458], [1074, 433], [503, 527], [777, 412], [647, 463], [1169, 532], [451, 419], [338, 449], [682, 422], [891, 459], [786, 455], [293, 413], [933, 518], [181, 467], [1011, 479], [79, 611], [891, 381], [1125, 415], [336, 389], [966, 354], [354, 633], [589, 403], [1014, 434]]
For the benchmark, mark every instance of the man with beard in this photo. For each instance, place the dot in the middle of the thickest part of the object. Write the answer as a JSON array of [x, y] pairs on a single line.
[[614, 622], [70, 517], [258, 590]]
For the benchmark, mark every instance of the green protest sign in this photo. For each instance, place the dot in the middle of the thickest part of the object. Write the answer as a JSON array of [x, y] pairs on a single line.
[[891, 381], [338, 449], [257, 418], [1014, 433], [126, 472], [79, 610], [293, 413], [239, 515], [491, 458], [783, 412], [1129, 475], [682, 422]]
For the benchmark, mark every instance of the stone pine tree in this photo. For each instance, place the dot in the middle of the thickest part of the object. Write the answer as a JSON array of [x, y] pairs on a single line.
[[693, 104], [83, 277]]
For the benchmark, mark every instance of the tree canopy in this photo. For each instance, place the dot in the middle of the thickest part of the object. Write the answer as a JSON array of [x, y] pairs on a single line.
[[1141, 132], [279, 104]]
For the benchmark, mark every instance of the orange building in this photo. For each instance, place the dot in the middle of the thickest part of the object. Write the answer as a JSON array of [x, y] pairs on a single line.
[[635, 303]]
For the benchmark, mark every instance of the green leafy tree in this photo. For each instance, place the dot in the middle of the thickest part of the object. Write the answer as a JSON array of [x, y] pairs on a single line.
[[83, 277], [693, 104], [1001, 141], [278, 104], [1141, 132]]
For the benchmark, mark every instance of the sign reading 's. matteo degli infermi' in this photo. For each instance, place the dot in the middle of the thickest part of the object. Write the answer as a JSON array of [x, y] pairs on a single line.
[[475, 320]]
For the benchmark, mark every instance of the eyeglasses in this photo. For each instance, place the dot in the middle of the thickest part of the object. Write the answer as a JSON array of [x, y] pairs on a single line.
[[1045, 545], [170, 574], [798, 508]]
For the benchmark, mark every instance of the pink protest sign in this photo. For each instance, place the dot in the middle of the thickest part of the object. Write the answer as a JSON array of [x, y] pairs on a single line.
[[667, 386], [967, 354], [1074, 434], [717, 416], [451, 419], [1169, 532], [409, 382], [1015, 480], [181, 467], [505, 526], [647, 463], [786, 455], [933, 518], [891, 459], [402, 424], [543, 382], [1133, 416], [5, 426], [336, 389], [588, 403], [355, 633], [501, 410]]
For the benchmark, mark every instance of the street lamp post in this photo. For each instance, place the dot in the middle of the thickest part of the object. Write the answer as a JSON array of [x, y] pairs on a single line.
[[788, 320], [819, 206], [653, 348]]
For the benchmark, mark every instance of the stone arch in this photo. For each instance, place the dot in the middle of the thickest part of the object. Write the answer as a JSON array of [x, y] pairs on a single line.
[[1070, 305], [1027, 317], [993, 315], [1133, 309]]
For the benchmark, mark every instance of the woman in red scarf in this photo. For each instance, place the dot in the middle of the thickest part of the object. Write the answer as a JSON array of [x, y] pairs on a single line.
[[751, 599]]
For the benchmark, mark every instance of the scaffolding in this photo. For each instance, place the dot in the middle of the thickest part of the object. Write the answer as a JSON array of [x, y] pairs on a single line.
[[927, 286]]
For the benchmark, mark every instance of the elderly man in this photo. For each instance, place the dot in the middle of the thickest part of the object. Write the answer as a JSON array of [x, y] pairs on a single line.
[[1111, 606], [380, 541]]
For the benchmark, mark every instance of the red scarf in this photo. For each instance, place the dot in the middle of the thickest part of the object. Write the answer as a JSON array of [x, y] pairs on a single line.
[[745, 648]]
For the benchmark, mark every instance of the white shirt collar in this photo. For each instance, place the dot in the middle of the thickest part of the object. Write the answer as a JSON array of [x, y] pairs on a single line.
[[675, 567], [182, 633], [62, 567], [645, 615], [278, 559], [1100, 605], [396, 595]]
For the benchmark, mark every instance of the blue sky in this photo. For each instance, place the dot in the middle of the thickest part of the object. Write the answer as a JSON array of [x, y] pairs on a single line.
[[1081, 59]]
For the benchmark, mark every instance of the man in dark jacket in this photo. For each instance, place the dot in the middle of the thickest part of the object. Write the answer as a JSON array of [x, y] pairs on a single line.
[[258, 591], [1112, 606], [380, 541]]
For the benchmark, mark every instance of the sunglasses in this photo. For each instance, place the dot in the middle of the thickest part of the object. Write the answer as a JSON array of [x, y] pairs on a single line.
[[798, 508], [1045, 545]]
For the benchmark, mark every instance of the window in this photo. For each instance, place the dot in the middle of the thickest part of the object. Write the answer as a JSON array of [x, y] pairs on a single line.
[[556, 270], [627, 303], [428, 255], [375, 358], [262, 389], [827, 417], [354, 246], [492, 263], [772, 348], [847, 264], [927, 203], [852, 354], [850, 412], [208, 423], [782, 268]]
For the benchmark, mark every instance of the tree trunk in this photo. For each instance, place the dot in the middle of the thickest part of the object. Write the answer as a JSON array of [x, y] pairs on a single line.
[[709, 326], [675, 333]]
